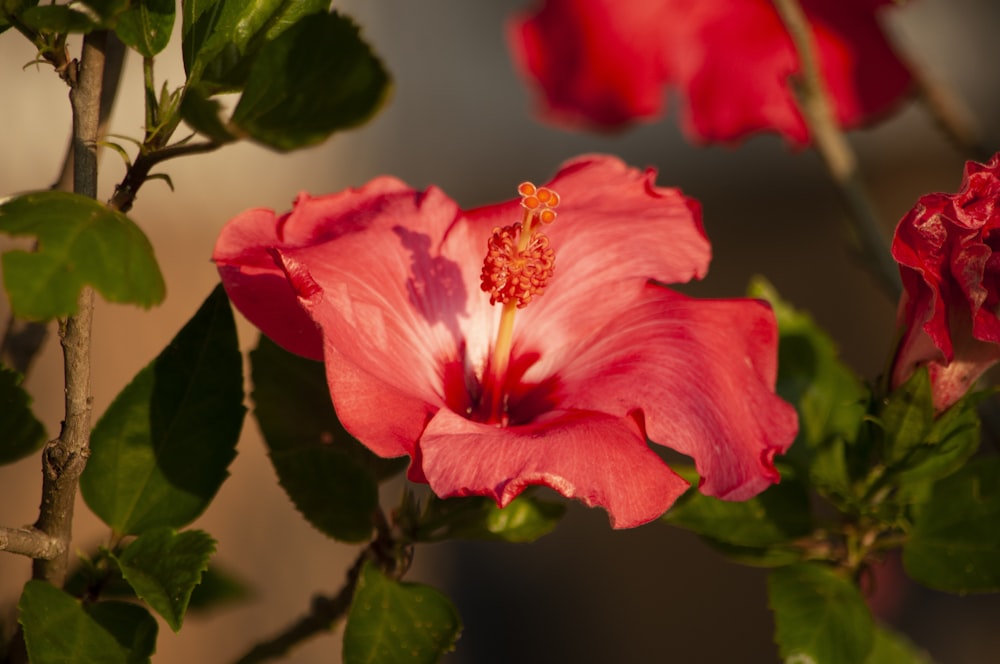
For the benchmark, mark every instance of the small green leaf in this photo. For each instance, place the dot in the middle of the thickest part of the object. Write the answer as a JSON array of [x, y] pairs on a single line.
[[525, 519], [146, 25], [907, 417], [819, 616], [775, 516], [21, 433], [58, 19], [59, 630], [80, 242], [315, 78], [330, 476], [955, 542], [160, 452], [893, 648], [396, 623], [952, 438], [163, 567]]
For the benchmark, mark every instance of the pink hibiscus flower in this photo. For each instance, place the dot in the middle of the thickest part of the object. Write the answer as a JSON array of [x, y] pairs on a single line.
[[605, 63], [386, 285], [948, 250]]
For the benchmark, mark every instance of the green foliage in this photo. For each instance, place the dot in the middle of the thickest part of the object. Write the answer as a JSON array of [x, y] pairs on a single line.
[[217, 587], [160, 452], [287, 105], [57, 18], [80, 242], [819, 616], [163, 567], [146, 25], [221, 38], [525, 519], [330, 476], [10, 8], [58, 629], [22, 433], [755, 531], [920, 448], [955, 542], [830, 399], [396, 623], [890, 647]]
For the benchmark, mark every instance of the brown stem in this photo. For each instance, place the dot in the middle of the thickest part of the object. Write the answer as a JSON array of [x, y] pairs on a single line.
[[29, 542], [324, 613], [63, 459], [836, 151], [136, 176], [23, 339]]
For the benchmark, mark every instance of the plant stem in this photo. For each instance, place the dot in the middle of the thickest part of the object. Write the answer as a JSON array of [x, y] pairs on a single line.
[[136, 176], [837, 153], [29, 542], [23, 339], [324, 613], [64, 458]]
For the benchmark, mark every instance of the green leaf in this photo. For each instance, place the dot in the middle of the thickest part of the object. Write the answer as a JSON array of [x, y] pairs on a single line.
[[893, 648], [819, 616], [163, 567], [80, 242], [160, 452], [525, 519], [12, 8], [202, 115], [395, 623], [108, 9], [330, 476], [146, 25], [217, 587], [221, 38], [775, 516], [907, 417], [951, 439], [830, 399], [315, 78], [955, 542], [21, 433], [59, 630], [57, 19]]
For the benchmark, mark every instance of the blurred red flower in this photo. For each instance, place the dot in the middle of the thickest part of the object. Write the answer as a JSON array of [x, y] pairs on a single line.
[[946, 247], [383, 284], [606, 63]]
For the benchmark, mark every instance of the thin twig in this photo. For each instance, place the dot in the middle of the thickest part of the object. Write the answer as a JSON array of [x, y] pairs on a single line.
[[323, 615], [29, 542], [63, 459], [836, 151], [137, 175]]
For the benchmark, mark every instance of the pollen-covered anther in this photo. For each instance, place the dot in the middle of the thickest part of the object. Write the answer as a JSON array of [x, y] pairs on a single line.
[[512, 275]]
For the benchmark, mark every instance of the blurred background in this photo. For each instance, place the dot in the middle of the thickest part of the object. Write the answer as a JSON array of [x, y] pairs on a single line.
[[460, 118]]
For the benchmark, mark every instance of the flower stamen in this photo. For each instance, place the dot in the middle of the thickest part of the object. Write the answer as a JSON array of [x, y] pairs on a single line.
[[518, 265]]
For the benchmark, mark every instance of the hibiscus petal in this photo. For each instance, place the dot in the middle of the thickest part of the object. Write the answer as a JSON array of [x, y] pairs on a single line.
[[599, 459], [596, 63], [702, 372], [607, 62], [257, 284]]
